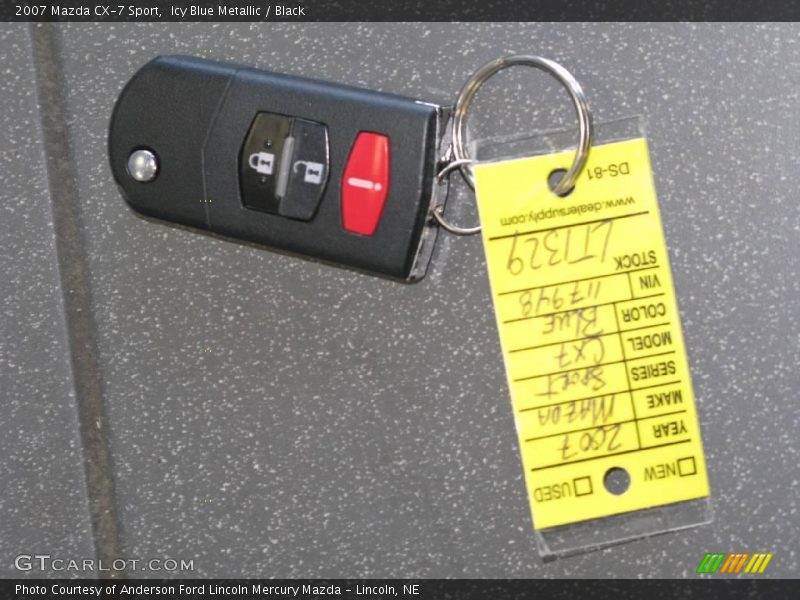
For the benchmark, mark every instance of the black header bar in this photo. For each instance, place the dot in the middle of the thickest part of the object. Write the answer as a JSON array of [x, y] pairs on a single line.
[[397, 10]]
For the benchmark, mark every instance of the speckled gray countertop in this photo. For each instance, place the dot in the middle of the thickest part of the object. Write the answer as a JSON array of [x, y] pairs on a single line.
[[269, 416]]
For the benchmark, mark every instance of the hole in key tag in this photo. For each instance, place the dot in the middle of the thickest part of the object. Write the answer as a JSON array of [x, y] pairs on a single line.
[[617, 481], [589, 327]]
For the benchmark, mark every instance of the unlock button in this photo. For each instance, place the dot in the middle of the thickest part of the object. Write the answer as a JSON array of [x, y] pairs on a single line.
[[308, 173]]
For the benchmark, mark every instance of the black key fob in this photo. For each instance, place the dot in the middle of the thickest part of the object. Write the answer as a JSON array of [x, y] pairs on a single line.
[[327, 171]]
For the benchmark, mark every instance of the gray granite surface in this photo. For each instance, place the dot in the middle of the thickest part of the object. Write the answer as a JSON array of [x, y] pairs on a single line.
[[43, 499]]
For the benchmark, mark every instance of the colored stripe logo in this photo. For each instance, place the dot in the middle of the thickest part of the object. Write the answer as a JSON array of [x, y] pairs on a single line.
[[738, 562]]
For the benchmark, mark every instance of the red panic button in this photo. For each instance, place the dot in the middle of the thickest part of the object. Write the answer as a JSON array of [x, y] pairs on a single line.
[[365, 183]]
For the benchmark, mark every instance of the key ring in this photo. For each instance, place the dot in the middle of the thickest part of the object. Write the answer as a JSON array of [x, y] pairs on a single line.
[[464, 102], [438, 212]]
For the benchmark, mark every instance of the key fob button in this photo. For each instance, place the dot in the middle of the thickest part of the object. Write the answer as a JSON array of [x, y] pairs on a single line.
[[307, 170], [365, 183], [260, 161]]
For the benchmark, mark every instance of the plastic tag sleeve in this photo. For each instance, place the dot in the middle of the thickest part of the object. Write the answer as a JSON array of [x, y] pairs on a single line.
[[590, 335]]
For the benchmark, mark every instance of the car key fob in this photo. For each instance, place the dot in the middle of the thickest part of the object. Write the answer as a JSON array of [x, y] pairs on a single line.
[[336, 173]]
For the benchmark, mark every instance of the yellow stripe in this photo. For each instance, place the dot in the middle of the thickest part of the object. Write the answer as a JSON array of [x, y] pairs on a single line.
[[758, 558], [765, 563], [741, 562], [753, 559]]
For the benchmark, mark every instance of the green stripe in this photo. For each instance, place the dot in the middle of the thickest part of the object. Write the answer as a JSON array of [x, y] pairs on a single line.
[[712, 568], [702, 567], [711, 562]]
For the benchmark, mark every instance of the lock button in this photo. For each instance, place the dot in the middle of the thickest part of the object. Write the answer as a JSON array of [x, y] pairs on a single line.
[[283, 166], [260, 161]]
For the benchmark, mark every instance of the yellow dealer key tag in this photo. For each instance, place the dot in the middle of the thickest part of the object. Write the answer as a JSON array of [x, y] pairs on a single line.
[[590, 334]]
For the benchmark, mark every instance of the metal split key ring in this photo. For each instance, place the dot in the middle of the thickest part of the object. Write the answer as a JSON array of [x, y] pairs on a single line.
[[461, 157]]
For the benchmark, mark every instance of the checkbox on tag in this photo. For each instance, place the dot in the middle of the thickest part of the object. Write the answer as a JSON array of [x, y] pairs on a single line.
[[583, 486], [687, 466]]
